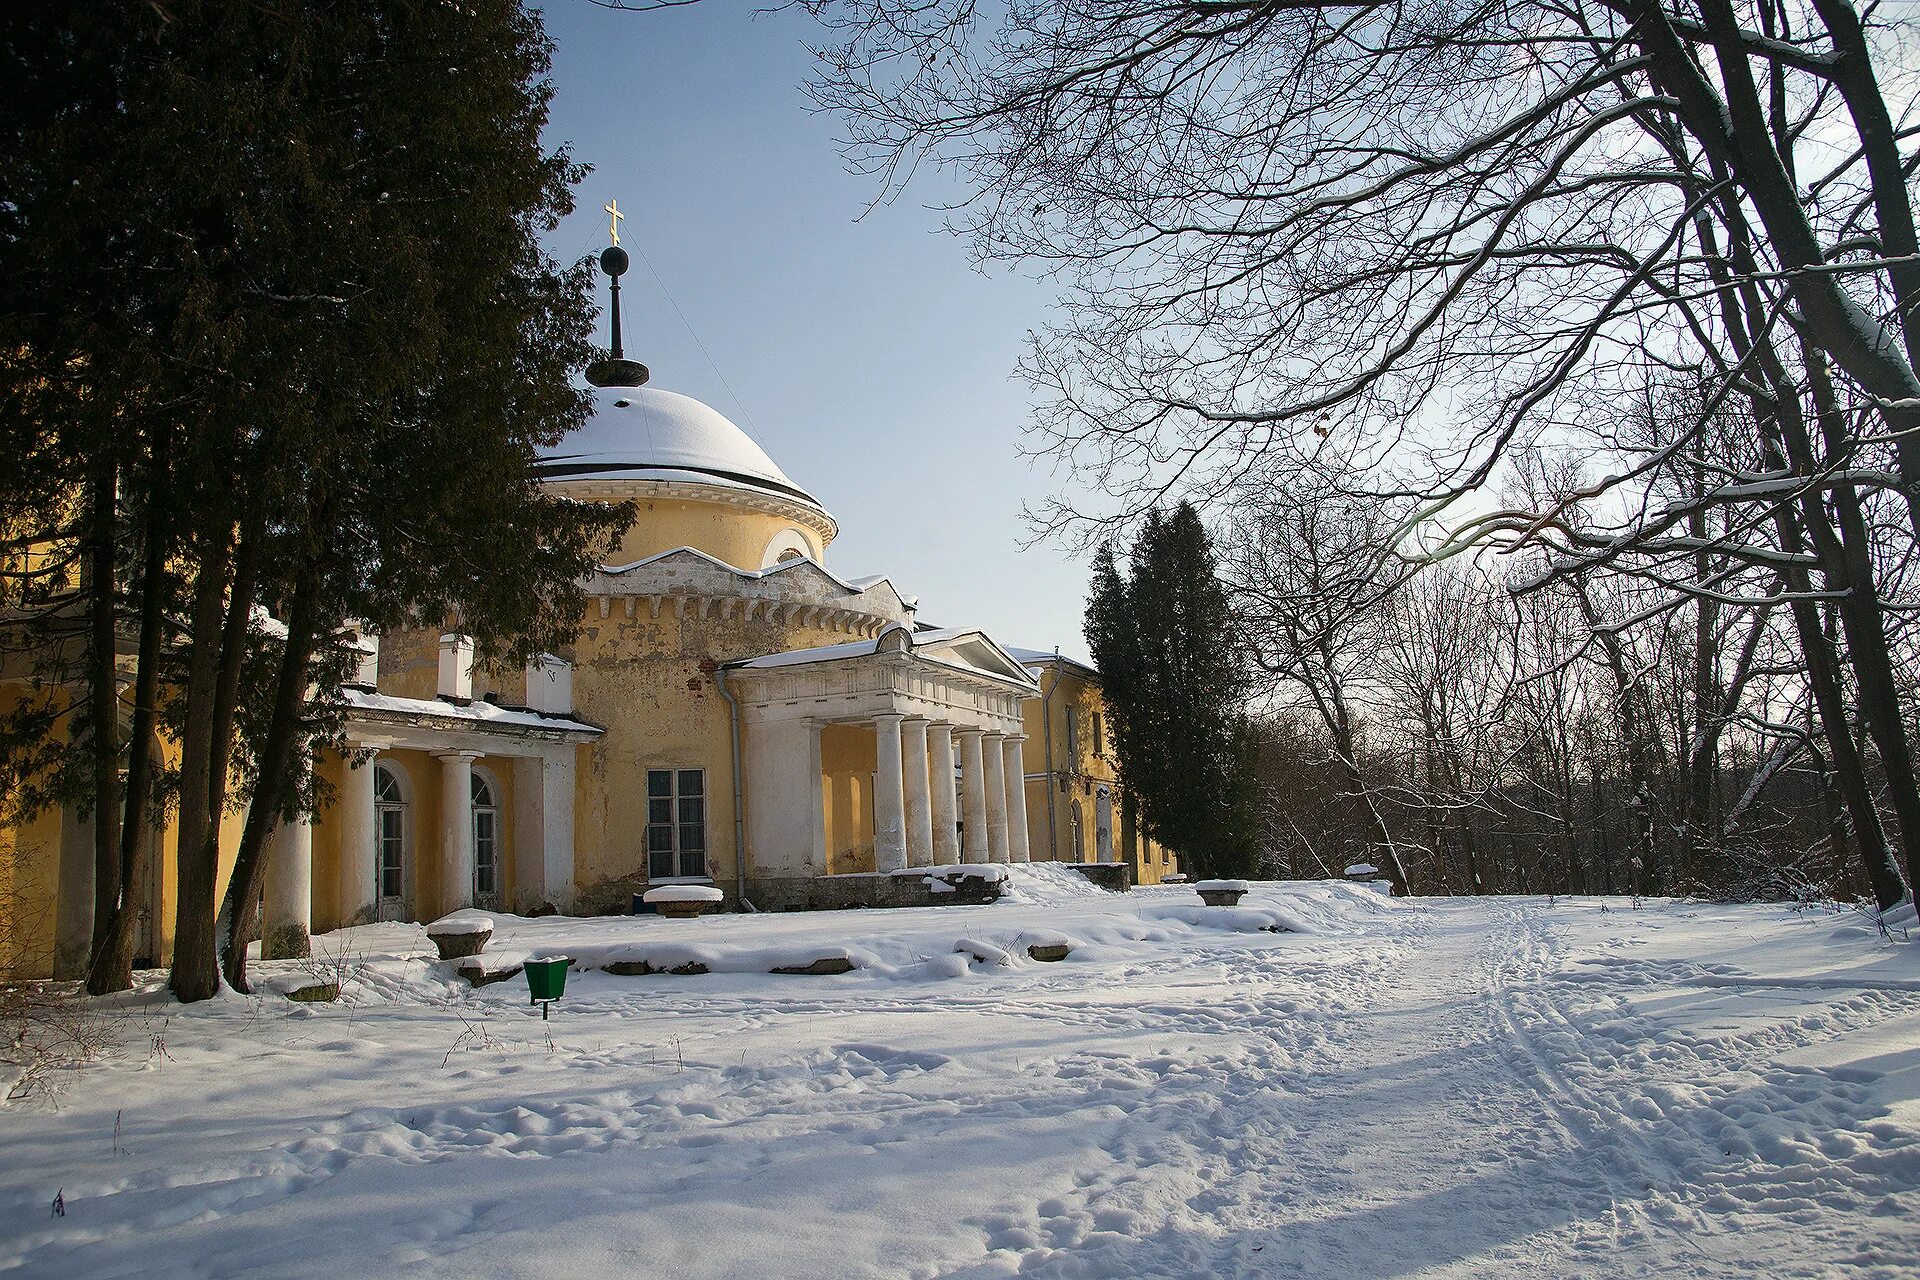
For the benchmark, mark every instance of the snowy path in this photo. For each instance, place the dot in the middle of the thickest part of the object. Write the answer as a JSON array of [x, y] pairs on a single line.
[[1451, 1089]]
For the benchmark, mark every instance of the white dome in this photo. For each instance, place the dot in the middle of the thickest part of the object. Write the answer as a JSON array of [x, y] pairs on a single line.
[[644, 433]]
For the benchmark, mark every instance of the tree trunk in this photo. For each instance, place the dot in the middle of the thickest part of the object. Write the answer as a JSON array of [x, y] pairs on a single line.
[[275, 791], [115, 972], [196, 968], [103, 707]]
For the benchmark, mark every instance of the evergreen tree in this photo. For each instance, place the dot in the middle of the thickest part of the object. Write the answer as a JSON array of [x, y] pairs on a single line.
[[1162, 635], [274, 300]]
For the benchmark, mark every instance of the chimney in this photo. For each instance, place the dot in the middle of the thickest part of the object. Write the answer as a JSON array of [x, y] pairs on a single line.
[[456, 667], [366, 648], [550, 684]]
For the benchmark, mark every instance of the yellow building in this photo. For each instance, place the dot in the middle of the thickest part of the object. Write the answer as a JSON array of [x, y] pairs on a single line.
[[1074, 807], [732, 712]]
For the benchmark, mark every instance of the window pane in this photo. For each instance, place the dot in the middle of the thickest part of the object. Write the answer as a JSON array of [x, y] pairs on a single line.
[[659, 782], [660, 810], [660, 863], [482, 793], [693, 782], [693, 836]]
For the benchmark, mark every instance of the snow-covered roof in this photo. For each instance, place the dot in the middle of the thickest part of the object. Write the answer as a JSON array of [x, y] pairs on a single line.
[[968, 649], [482, 714], [645, 433], [1043, 657]]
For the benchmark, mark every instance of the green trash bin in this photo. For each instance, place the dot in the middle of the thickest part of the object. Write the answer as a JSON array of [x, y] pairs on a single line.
[[546, 980]]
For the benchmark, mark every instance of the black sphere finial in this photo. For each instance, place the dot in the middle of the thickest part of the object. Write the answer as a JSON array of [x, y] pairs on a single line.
[[617, 370]]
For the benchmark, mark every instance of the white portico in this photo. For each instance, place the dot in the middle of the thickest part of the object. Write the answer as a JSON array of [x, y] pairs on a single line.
[[928, 697]]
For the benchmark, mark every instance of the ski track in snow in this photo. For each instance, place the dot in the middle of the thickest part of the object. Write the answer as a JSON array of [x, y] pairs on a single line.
[[1443, 1089]]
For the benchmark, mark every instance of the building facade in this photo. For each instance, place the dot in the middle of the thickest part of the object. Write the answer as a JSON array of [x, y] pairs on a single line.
[[1075, 804], [732, 712]]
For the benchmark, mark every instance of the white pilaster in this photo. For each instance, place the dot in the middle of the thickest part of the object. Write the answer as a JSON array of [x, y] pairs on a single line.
[[889, 802], [358, 890], [786, 813], [556, 809], [995, 774], [946, 844], [456, 829], [973, 796], [73, 907], [1016, 786], [913, 749]]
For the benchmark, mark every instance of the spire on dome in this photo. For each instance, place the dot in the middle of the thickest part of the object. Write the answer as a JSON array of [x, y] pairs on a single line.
[[616, 370]]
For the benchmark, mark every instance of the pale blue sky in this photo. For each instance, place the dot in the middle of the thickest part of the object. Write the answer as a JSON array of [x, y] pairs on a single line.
[[867, 356]]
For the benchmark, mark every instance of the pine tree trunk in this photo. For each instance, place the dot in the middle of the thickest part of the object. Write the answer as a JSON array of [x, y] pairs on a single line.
[[104, 714], [274, 791], [115, 969], [196, 968]]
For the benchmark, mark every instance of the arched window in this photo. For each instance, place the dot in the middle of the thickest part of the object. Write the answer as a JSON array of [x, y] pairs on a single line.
[[390, 833], [486, 841], [787, 545]]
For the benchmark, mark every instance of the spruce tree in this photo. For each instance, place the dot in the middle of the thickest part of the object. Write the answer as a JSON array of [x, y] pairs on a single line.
[[1162, 635]]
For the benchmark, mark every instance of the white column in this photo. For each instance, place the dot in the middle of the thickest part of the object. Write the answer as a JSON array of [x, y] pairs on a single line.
[[786, 813], [1016, 767], [946, 845], [286, 923], [996, 778], [973, 796], [889, 801], [73, 906], [358, 865], [456, 829], [913, 749]]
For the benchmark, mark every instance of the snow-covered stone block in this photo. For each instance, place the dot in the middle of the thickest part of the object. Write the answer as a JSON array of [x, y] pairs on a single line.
[[682, 893], [462, 934]]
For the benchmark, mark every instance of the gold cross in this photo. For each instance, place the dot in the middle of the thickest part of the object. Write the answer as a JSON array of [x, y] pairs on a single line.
[[613, 208]]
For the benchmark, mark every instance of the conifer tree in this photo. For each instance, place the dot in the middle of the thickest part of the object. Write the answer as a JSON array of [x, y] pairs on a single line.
[[1162, 635], [274, 270]]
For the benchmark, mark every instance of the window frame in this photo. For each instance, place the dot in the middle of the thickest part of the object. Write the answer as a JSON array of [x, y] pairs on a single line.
[[395, 807], [676, 844], [483, 785]]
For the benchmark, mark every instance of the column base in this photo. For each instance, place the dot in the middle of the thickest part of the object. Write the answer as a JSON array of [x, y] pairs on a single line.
[[285, 942]]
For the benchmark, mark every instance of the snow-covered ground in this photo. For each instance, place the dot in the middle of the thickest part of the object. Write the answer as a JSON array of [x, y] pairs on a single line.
[[1443, 1088]]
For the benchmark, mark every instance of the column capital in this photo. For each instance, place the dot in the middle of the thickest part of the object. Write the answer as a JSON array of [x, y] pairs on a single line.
[[1014, 737], [967, 731], [889, 715], [452, 756]]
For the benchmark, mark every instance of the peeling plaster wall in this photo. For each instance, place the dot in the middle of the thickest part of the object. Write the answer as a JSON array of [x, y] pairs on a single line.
[[651, 682]]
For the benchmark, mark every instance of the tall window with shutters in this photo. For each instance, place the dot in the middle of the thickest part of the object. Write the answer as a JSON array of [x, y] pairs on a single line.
[[676, 823]]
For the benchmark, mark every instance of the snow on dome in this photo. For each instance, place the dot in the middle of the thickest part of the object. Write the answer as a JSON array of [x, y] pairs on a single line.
[[644, 433]]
